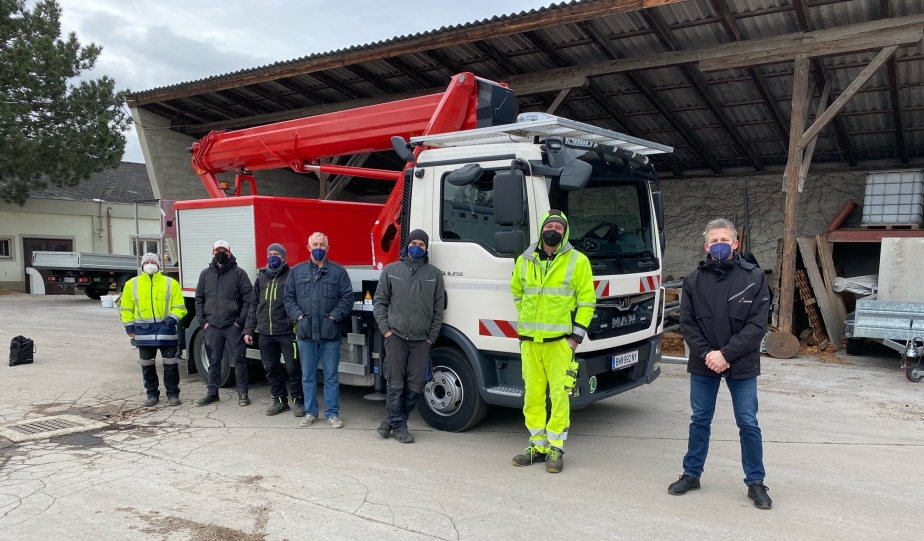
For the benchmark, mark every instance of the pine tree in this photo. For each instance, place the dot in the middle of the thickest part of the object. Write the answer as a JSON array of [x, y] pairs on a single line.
[[55, 124]]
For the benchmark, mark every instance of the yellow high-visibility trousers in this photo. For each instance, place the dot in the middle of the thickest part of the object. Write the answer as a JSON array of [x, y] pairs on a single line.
[[548, 365]]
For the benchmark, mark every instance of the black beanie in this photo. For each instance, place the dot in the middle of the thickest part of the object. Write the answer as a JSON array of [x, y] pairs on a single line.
[[419, 234], [278, 248]]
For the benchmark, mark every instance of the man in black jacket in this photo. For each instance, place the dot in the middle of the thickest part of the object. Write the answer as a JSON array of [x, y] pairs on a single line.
[[409, 313], [222, 304], [318, 297], [723, 318], [268, 317]]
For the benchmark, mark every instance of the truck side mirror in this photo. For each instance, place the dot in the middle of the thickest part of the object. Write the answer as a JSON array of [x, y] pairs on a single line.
[[658, 199], [403, 149], [508, 198], [509, 242]]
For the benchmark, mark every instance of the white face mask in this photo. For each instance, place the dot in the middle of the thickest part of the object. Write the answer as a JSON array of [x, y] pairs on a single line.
[[150, 268]]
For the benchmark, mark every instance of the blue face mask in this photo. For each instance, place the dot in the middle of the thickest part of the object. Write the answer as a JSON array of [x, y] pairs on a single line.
[[416, 252], [720, 251], [319, 254], [274, 261]]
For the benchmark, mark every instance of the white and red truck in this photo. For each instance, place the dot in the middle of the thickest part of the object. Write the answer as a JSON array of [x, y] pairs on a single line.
[[478, 178]]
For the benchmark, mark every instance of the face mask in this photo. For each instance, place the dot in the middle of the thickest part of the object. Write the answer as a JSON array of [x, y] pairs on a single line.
[[274, 261], [551, 238], [150, 268], [720, 251], [222, 257], [416, 252], [319, 254]]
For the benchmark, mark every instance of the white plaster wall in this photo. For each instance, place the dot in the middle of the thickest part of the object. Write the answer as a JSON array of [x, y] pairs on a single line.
[[690, 204], [75, 220]]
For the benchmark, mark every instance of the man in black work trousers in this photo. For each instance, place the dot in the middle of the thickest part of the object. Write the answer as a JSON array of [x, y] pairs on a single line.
[[723, 319], [268, 317], [409, 312], [222, 304]]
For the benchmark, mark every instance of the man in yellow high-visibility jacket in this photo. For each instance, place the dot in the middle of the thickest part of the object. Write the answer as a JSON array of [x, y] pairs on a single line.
[[553, 288], [152, 305]]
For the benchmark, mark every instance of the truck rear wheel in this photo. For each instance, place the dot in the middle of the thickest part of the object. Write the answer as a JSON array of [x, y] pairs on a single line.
[[202, 361], [855, 346], [451, 401], [95, 294]]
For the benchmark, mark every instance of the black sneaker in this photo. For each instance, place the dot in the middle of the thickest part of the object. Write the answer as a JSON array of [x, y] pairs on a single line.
[[384, 429], [173, 401], [208, 399], [682, 485], [531, 455], [402, 435], [758, 493], [298, 406], [279, 405], [554, 462], [151, 401], [243, 400]]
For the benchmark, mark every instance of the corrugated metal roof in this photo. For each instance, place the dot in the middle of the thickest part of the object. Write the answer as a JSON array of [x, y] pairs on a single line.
[[867, 120]]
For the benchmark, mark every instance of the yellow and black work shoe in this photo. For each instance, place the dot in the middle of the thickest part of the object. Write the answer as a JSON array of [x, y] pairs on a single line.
[[529, 456], [243, 399], [553, 460]]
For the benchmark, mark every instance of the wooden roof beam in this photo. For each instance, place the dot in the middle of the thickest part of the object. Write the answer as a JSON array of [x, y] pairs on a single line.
[[198, 115], [657, 23], [646, 90], [372, 78], [411, 72], [337, 85], [303, 90], [730, 23], [235, 97], [445, 60], [274, 97], [885, 11], [498, 57]]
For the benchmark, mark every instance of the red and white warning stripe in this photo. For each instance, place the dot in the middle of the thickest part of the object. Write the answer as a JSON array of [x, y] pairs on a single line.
[[602, 288], [649, 283], [498, 327]]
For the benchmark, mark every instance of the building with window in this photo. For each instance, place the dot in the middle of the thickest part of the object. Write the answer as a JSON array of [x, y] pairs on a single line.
[[95, 216]]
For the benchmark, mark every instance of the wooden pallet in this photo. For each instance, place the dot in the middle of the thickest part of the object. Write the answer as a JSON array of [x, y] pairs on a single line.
[[811, 307], [890, 227]]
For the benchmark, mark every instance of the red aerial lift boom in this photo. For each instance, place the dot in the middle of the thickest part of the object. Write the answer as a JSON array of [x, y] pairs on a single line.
[[469, 102]]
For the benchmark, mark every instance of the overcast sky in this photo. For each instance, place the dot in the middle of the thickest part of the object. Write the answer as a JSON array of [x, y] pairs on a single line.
[[147, 44]]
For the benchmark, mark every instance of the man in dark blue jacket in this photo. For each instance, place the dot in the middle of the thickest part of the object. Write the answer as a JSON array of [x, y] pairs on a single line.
[[318, 297], [723, 319]]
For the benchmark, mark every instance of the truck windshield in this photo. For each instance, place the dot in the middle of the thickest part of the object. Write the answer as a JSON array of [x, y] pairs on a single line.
[[610, 219]]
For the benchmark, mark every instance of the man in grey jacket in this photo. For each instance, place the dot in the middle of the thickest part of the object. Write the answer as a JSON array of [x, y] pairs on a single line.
[[408, 309], [222, 304]]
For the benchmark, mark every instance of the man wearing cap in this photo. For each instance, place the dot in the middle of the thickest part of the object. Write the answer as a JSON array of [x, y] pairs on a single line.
[[409, 312], [553, 288], [318, 297], [222, 304], [151, 305], [268, 317]]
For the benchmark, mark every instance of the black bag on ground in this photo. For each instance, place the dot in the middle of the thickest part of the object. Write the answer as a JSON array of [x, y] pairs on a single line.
[[21, 350]]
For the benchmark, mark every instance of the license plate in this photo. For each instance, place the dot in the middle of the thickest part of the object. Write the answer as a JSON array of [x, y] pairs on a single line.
[[625, 359], [70, 280]]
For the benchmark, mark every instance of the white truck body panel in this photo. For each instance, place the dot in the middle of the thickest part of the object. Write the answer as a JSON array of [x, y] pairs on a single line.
[[198, 233]]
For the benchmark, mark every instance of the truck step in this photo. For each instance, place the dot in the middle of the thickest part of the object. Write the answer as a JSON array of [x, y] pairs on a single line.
[[506, 391]]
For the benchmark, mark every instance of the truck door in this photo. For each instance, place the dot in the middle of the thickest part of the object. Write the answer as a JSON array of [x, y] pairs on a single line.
[[477, 277]]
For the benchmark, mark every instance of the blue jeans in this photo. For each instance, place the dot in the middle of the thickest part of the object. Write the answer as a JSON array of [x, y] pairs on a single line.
[[703, 393], [309, 351]]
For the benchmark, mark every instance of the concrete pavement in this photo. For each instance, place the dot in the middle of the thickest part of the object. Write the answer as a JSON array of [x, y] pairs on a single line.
[[843, 444]]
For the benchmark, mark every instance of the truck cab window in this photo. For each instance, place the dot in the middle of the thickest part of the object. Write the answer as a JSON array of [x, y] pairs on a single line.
[[468, 213]]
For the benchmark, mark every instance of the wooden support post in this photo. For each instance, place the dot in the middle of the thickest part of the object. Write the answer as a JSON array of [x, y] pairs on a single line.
[[791, 207], [826, 260], [810, 148], [559, 100]]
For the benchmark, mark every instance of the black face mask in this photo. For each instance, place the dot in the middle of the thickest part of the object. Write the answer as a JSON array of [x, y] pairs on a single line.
[[221, 258], [551, 238]]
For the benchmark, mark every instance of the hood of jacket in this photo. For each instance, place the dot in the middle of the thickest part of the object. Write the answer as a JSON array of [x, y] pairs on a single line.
[[564, 245]]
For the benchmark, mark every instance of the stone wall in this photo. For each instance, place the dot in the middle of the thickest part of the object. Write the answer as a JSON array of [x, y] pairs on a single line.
[[690, 204]]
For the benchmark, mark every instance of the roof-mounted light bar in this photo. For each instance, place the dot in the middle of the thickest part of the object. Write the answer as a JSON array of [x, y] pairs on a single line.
[[531, 125]]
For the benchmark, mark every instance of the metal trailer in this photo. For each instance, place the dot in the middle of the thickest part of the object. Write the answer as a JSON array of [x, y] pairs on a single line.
[[63, 273], [897, 325]]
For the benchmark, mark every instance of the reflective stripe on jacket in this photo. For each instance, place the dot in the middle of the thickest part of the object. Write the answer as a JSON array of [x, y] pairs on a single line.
[[547, 290], [151, 307]]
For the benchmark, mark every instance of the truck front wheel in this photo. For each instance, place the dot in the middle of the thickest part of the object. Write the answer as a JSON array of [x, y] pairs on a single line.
[[451, 401], [202, 361]]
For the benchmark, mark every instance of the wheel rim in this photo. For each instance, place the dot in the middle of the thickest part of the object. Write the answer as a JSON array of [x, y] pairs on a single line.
[[915, 373], [444, 394], [203, 356]]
